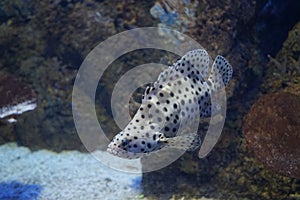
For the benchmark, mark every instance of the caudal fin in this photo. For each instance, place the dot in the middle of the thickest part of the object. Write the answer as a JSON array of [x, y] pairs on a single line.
[[221, 73]]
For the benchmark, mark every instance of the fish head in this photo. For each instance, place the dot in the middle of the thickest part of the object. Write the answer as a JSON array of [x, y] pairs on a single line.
[[128, 145]]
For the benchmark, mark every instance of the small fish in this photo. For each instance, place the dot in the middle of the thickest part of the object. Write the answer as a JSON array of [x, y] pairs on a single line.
[[180, 95]]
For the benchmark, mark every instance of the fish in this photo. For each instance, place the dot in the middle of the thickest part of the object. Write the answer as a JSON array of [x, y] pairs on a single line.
[[173, 103]]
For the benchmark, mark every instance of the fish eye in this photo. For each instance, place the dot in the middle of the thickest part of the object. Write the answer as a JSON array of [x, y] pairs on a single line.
[[125, 142]]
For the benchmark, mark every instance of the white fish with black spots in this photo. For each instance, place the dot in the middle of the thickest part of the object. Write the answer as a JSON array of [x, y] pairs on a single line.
[[171, 105]]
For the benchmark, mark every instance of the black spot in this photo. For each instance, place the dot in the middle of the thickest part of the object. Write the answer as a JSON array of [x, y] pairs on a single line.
[[143, 142], [135, 137], [157, 103], [175, 121], [149, 98], [147, 90], [141, 108], [160, 86], [167, 101], [142, 127], [174, 130], [167, 128], [135, 146], [165, 109], [152, 127], [143, 116], [171, 94], [167, 118], [142, 149], [137, 120], [177, 117], [175, 106], [182, 102], [161, 94], [182, 71], [183, 114], [154, 137], [149, 105], [134, 127], [149, 145]]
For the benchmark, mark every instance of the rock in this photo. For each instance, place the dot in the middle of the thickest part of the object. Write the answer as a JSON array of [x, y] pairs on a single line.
[[16, 96], [271, 129]]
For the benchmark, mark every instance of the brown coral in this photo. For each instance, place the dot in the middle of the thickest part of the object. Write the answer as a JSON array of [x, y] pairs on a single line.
[[272, 131]]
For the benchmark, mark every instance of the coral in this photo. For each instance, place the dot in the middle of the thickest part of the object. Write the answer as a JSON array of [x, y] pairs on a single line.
[[284, 70], [16, 96], [271, 129], [174, 14], [44, 43]]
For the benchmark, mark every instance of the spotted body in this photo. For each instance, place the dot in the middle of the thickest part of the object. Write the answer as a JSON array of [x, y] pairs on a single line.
[[172, 105]]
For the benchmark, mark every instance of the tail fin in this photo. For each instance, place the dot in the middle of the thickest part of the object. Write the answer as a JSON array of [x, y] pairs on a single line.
[[220, 74]]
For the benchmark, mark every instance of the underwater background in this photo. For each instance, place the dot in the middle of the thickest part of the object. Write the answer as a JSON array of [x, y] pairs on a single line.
[[42, 45]]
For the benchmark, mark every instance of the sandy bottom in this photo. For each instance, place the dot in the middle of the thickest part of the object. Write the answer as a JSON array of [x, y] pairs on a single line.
[[67, 175]]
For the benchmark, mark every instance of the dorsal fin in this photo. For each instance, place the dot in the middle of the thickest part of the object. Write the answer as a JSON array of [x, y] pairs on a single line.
[[195, 63], [198, 60]]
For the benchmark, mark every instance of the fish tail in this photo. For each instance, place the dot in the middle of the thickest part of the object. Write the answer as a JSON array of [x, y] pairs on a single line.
[[221, 73]]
